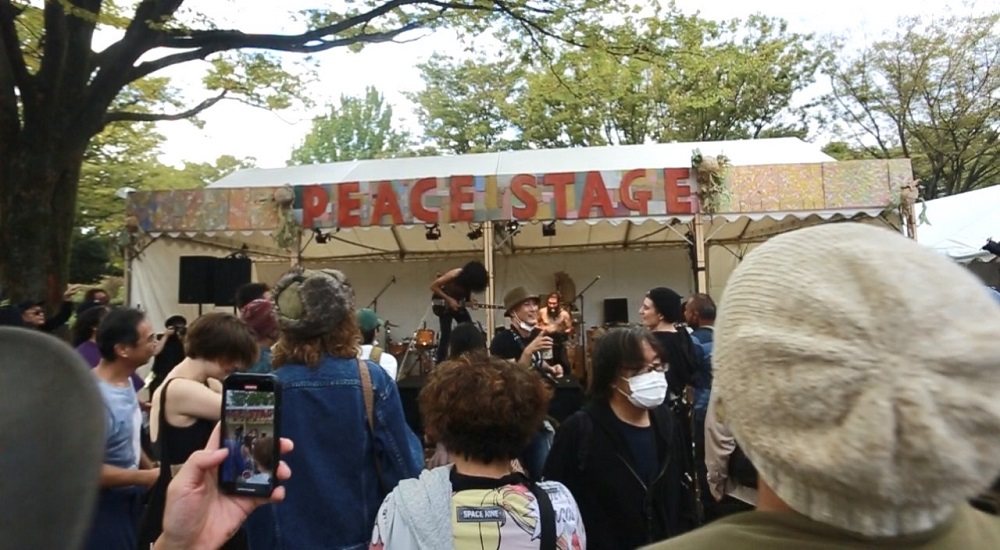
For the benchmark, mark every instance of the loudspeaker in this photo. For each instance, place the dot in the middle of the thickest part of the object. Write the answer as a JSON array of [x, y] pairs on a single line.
[[616, 311], [196, 280], [230, 274]]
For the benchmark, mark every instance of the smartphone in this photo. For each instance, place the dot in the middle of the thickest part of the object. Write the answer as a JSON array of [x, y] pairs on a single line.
[[251, 412]]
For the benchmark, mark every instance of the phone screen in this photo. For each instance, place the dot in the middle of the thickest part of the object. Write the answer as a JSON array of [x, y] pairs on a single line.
[[249, 420]]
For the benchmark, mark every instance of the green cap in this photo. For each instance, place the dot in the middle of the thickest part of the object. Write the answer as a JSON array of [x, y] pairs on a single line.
[[368, 320]]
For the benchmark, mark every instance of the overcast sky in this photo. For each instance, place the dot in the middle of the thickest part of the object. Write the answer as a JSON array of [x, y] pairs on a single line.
[[236, 129]]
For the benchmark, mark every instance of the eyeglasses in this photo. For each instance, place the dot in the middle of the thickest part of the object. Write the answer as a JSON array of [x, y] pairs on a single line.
[[651, 367]]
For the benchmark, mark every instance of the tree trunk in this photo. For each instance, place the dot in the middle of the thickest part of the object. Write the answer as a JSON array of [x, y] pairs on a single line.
[[37, 211]]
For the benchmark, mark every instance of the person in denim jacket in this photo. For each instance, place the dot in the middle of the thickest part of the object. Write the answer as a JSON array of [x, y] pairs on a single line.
[[337, 489]]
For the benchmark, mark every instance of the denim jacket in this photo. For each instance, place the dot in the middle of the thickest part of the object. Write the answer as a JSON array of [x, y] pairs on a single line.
[[333, 494]]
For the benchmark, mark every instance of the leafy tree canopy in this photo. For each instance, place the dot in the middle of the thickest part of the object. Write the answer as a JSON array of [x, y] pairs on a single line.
[[360, 128], [929, 92]]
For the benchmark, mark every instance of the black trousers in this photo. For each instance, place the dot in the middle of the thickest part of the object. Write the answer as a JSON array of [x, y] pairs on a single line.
[[460, 316]]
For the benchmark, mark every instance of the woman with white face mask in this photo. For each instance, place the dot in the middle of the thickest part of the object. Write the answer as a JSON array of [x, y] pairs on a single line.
[[623, 455]]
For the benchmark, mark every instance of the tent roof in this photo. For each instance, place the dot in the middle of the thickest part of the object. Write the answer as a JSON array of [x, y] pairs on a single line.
[[960, 224], [579, 159]]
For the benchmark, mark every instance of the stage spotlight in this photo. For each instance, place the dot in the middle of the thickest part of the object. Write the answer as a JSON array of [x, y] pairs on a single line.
[[432, 232], [475, 233], [549, 229], [320, 237], [512, 227], [993, 247]]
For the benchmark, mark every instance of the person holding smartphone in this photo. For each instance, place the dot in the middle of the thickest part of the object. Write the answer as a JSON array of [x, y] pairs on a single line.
[[345, 415], [188, 404]]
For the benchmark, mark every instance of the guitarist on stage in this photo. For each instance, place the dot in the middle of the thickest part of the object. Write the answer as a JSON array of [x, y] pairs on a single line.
[[451, 292]]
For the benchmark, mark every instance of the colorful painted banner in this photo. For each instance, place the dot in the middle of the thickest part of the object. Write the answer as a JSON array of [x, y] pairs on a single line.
[[523, 197]]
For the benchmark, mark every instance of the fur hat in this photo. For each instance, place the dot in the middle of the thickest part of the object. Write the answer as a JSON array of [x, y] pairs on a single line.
[[859, 373], [312, 303]]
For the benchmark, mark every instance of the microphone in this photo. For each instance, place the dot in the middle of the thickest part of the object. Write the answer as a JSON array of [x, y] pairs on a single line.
[[394, 278]]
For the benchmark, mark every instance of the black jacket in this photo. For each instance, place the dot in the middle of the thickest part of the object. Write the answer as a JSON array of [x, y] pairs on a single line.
[[591, 458]]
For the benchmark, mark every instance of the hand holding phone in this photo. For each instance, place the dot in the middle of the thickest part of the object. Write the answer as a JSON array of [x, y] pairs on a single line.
[[251, 407]]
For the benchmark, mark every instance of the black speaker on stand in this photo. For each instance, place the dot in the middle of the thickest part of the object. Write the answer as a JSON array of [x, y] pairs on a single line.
[[196, 280], [230, 274], [615, 311]]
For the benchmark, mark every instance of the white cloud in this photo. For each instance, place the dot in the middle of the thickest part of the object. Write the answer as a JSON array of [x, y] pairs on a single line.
[[240, 130]]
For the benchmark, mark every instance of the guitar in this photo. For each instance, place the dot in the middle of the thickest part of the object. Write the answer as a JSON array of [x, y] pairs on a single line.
[[439, 306]]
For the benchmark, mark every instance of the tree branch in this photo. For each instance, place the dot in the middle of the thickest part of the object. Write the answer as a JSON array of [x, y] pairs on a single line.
[[131, 116], [263, 41], [12, 45]]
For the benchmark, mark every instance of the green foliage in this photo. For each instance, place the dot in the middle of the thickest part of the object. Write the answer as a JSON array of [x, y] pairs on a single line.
[[59, 91], [359, 128], [464, 106], [91, 259], [258, 79], [841, 150], [930, 92], [664, 76]]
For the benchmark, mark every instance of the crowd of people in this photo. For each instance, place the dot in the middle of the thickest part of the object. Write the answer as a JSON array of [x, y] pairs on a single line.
[[841, 394]]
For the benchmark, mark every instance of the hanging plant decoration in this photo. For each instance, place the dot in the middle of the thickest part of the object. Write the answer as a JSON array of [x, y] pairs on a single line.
[[289, 231], [904, 201], [712, 176]]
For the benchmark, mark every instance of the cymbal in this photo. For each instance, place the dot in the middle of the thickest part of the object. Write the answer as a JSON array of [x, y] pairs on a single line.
[[391, 325]]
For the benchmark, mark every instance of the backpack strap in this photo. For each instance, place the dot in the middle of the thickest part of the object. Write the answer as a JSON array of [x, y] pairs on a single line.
[[368, 395], [546, 515]]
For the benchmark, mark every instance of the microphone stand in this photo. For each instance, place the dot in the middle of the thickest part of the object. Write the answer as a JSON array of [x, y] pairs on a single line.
[[583, 319], [374, 307], [374, 303]]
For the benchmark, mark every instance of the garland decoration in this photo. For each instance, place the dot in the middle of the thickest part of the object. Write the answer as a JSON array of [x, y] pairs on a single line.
[[712, 174], [289, 231]]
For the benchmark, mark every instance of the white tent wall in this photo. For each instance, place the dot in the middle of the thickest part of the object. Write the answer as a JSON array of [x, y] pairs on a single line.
[[624, 274], [155, 279]]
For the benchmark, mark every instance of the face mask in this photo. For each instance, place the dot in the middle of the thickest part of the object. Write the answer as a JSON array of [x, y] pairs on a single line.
[[648, 390], [524, 326]]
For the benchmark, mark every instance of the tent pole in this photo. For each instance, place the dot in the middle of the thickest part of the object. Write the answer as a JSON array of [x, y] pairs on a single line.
[[490, 289], [699, 252]]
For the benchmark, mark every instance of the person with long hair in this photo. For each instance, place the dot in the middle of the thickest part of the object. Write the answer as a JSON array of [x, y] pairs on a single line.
[[466, 338], [622, 456], [186, 408], [484, 411], [451, 293], [170, 350], [344, 414]]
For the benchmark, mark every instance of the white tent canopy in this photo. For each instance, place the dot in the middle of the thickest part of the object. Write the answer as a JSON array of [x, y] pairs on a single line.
[[959, 225], [752, 152]]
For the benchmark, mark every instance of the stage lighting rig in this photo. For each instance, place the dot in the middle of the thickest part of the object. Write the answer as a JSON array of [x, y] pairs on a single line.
[[549, 229], [432, 232]]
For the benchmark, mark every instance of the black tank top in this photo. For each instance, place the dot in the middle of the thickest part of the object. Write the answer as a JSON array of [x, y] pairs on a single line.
[[177, 444]]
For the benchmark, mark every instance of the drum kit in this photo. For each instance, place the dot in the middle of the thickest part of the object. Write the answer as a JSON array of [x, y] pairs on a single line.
[[415, 354]]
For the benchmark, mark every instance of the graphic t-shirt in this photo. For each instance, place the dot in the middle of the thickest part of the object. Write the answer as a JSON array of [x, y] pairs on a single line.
[[502, 513]]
